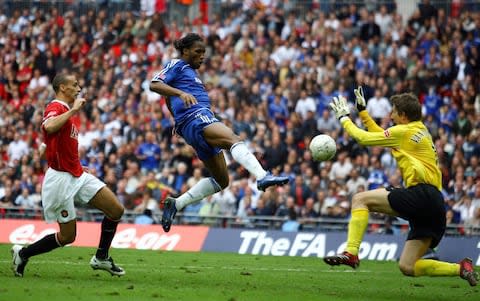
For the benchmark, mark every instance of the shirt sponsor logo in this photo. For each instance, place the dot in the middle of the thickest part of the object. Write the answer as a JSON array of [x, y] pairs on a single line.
[[74, 132]]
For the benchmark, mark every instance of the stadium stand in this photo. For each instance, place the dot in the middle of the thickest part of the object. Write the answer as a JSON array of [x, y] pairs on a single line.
[[263, 56]]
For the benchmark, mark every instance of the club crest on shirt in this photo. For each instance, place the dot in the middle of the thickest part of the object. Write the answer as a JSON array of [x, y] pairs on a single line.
[[64, 213], [74, 132], [386, 133]]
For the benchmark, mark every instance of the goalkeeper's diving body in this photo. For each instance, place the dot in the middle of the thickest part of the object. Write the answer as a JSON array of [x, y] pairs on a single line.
[[420, 202]]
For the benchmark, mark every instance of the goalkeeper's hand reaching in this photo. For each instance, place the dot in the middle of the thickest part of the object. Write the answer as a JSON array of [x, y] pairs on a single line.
[[360, 102], [340, 108]]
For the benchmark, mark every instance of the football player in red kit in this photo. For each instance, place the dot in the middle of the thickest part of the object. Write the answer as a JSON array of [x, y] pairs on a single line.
[[66, 182]]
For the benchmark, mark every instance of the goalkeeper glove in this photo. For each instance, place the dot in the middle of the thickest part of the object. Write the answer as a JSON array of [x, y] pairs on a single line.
[[360, 102], [340, 107]]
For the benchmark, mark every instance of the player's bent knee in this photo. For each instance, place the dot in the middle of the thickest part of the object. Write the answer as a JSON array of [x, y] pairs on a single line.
[[223, 182], [407, 270], [66, 239], [357, 200], [117, 213]]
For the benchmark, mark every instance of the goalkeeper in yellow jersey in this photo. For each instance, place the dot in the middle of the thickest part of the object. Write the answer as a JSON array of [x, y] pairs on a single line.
[[420, 202]]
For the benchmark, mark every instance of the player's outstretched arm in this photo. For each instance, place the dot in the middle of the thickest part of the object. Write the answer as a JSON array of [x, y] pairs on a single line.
[[340, 107]]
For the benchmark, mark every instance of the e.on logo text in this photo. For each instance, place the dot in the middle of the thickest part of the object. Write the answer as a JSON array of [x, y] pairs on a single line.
[[152, 237], [128, 238], [26, 234]]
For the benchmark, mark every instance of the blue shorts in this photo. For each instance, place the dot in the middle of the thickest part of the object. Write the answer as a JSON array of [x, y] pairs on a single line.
[[191, 130]]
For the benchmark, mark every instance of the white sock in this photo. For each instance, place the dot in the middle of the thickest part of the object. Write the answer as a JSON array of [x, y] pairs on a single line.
[[203, 188], [242, 155]]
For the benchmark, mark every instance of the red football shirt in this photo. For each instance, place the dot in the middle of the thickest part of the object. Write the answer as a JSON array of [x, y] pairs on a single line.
[[62, 146]]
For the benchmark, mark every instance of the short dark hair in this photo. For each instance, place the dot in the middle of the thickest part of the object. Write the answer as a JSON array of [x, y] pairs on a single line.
[[187, 41], [408, 104], [59, 79]]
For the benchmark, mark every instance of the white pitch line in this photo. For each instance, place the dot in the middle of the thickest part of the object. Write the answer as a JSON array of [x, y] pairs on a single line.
[[78, 263]]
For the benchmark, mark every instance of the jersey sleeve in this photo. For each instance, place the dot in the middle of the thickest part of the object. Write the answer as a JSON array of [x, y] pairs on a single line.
[[51, 111], [168, 73], [369, 123], [390, 137]]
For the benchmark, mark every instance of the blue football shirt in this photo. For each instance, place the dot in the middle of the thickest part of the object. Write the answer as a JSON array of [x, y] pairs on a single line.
[[178, 74]]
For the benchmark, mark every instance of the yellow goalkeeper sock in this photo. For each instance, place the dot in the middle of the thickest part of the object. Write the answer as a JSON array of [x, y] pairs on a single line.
[[356, 228], [429, 267]]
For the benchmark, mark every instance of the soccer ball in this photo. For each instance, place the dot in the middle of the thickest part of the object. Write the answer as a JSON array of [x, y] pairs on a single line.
[[323, 147]]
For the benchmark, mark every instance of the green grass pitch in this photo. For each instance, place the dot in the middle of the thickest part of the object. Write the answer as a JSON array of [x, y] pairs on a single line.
[[64, 274]]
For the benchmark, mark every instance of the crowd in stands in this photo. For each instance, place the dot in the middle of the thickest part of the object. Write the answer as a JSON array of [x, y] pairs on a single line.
[[270, 73]]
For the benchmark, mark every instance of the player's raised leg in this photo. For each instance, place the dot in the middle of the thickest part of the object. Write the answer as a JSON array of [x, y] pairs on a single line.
[[220, 135]]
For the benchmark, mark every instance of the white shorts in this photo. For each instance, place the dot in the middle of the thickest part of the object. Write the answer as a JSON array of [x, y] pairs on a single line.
[[60, 190]]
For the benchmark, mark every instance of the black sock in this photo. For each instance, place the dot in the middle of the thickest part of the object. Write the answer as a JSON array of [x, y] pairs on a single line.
[[109, 227], [44, 245]]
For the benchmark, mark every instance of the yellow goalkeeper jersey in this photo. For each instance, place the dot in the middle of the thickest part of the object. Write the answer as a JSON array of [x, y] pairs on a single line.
[[412, 147]]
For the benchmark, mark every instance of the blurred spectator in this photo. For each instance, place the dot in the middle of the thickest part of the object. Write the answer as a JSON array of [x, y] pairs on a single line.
[[133, 177], [226, 201], [473, 221], [147, 202], [378, 106], [465, 207], [341, 168], [383, 19], [24, 200], [181, 177], [265, 205], [245, 208], [7, 199], [427, 10], [299, 191], [304, 104], [327, 122], [291, 225], [451, 217], [17, 148], [369, 29], [275, 152], [194, 210], [36, 196], [462, 125], [329, 204], [145, 218], [209, 207], [308, 211], [149, 154], [354, 181], [377, 177]]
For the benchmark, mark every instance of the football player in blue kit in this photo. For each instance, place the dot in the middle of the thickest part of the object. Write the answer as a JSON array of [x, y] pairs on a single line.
[[189, 104]]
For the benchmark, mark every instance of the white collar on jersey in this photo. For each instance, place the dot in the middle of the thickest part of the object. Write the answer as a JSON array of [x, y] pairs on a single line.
[[62, 102]]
